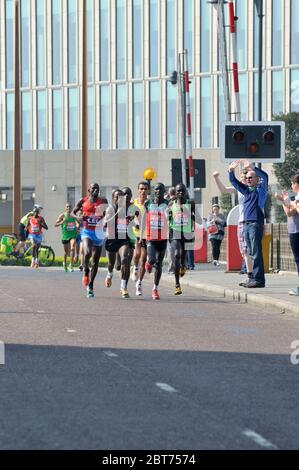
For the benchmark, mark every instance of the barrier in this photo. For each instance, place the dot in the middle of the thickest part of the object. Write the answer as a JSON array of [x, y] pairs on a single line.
[[233, 255], [201, 254]]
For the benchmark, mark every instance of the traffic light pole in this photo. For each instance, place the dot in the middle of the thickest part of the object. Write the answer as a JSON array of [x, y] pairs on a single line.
[[16, 212], [188, 125], [259, 9], [182, 116]]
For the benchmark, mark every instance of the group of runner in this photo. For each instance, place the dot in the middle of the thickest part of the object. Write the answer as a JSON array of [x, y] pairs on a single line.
[[137, 229]]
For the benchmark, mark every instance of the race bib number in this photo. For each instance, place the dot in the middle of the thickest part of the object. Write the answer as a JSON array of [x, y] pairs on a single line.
[[70, 226], [92, 221], [122, 225], [181, 219], [35, 229], [156, 221]]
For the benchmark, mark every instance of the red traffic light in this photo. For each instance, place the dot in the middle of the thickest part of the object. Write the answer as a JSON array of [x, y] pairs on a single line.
[[268, 137], [253, 148], [238, 137]]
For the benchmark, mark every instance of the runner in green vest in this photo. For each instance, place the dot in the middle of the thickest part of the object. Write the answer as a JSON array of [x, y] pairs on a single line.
[[181, 231], [68, 226]]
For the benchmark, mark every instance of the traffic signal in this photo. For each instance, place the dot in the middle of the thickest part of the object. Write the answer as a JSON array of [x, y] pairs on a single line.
[[257, 141], [199, 172], [174, 78]]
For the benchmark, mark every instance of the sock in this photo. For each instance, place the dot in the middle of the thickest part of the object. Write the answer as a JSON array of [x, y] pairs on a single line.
[[155, 287], [123, 284], [249, 275], [110, 275]]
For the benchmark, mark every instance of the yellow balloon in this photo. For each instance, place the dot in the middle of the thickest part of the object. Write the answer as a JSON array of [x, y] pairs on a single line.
[[149, 174]]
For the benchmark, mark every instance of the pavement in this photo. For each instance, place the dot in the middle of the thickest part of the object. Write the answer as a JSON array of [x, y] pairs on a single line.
[[214, 280]]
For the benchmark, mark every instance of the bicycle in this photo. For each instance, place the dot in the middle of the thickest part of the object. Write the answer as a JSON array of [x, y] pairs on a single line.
[[46, 254]]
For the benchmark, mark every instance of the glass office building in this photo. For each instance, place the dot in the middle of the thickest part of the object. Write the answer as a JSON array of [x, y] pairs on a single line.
[[133, 111]]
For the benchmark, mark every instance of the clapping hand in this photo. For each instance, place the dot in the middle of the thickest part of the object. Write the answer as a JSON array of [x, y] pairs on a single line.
[[216, 173], [233, 165]]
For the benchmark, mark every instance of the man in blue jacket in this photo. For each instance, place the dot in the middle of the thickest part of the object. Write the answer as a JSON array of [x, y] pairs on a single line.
[[255, 193]]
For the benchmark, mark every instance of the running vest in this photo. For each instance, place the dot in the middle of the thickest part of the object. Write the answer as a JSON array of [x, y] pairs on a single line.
[[34, 225], [122, 222], [156, 220], [93, 212], [68, 228], [139, 232], [181, 220]]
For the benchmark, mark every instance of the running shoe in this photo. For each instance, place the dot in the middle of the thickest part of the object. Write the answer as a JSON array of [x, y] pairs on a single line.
[[32, 264], [65, 267], [36, 265], [148, 267], [124, 293], [71, 268], [90, 292], [81, 268], [183, 270], [108, 281], [138, 289], [155, 294], [85, 280], [177, 290], [134, 275], [294, 291]]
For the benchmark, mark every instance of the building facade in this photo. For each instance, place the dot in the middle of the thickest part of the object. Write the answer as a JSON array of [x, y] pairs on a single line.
[[133, 110]]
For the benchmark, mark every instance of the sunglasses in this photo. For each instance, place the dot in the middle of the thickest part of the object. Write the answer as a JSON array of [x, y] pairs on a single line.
[[249, 177]]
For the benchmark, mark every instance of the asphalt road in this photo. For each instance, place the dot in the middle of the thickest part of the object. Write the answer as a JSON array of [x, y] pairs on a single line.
[[189, 372]]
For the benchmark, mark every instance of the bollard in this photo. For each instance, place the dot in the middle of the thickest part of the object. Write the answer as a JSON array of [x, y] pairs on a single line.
[[233, 255]]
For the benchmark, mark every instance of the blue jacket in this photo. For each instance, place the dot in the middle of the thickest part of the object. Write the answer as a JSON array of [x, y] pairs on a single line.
[[255, 199]]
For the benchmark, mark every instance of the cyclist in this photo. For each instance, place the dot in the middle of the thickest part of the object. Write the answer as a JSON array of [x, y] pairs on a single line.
[[181, 231], [35, 226], [68, 226], [22, 232], [93, 210], [120, 240], [139, 232], [156, 234]]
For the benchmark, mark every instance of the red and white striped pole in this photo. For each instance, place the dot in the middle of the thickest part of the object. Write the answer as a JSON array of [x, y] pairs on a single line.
[[233, 31], [188, 125]]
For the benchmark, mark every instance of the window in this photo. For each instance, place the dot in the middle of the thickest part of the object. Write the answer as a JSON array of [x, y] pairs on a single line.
[[205, 112], [40, 42], [105, 116], [72, 41], [120, 39], [10, 119], [294, 91], [9, 43], [25, 42], [90, 40], [138, 100], [243, 96], [277, 32], [56, 42], [121, 116], [104, 40], [188, 31], [256, 97], [294, 32], [205, 43], [154, 115], [57, 119], [154, 37], [137, 38], [277, 92], [221, 110], [171, 123], [73, 118], [171, 54], [91, 126], [241, 13], [26, 120], [41, 119]]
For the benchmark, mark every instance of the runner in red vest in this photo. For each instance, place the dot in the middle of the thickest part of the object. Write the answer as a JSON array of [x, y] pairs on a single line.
[[93, 210], [35, 226]]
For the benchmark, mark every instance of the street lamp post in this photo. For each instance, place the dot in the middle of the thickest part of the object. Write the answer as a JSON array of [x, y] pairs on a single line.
[[84, 172], [16, 213], [149, 174]]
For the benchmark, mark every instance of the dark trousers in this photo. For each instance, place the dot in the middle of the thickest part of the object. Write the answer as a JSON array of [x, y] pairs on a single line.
[[253, 233], [190, 258], [215, 248], [294, 241]]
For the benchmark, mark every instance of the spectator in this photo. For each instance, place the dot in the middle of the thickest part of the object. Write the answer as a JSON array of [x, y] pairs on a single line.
[[215, 225], [255, 192], [291, 209]]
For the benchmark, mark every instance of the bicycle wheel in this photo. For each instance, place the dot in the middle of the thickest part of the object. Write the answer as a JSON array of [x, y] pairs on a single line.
[[46, 256]]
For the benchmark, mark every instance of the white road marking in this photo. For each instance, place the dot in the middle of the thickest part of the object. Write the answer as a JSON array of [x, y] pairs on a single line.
[[258, 439], [21, 300], [71, 331], [110, 354], [41, 311], [166, 387]]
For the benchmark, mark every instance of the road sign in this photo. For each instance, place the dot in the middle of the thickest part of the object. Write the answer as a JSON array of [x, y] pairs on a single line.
[[258, 141]]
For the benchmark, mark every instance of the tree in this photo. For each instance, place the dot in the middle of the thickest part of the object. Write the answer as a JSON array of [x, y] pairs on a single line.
[[284, 171]]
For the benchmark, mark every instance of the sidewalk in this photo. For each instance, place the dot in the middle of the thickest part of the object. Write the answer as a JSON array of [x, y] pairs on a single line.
[[214, 280]]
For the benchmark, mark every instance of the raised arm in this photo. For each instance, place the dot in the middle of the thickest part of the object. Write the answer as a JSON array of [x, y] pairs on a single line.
[[223, 189]]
